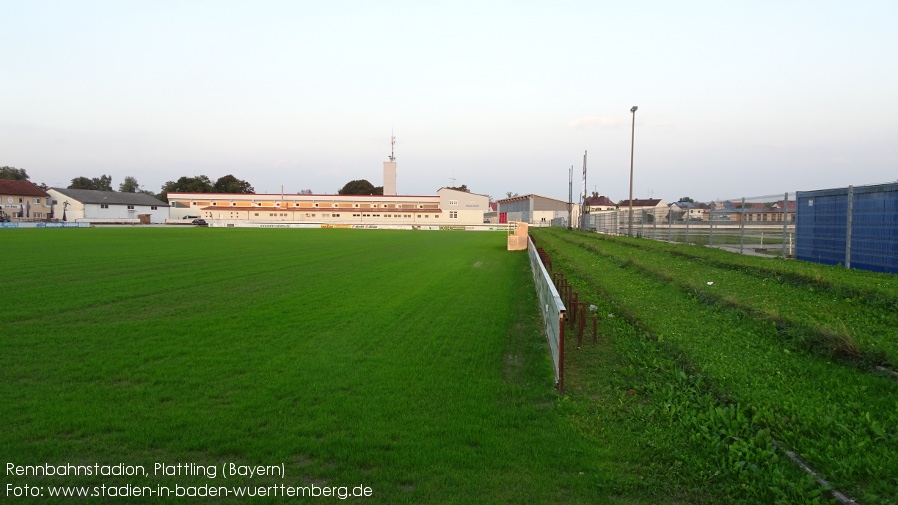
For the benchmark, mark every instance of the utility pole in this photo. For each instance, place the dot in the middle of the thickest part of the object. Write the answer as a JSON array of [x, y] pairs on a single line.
[[583, 198], [632, 143], [570, 197]]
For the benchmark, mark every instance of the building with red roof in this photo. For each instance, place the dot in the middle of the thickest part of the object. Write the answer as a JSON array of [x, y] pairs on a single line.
[[23, 201]]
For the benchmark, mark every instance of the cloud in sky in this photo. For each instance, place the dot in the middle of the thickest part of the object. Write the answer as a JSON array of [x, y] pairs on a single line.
[[595, 122]]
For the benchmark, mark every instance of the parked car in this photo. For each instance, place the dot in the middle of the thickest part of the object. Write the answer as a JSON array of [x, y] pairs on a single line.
[[200, 222]]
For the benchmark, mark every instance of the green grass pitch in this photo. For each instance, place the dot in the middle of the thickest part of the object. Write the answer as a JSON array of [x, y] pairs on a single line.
[[408, 362]]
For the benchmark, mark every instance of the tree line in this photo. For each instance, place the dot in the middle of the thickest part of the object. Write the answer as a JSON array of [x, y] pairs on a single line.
[[195, 184]]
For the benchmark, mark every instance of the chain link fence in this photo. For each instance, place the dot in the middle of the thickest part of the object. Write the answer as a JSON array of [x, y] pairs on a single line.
[[856, 227], [760, 225]]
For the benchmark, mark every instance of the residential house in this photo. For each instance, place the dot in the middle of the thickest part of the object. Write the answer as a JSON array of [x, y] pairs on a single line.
[[753, 212], [691, 211], [646, 210], [767, 213], [725, 211], [23, 201], [598, 203]]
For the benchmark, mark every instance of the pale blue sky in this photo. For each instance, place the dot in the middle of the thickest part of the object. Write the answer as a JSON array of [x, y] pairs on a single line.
[[735, 98]]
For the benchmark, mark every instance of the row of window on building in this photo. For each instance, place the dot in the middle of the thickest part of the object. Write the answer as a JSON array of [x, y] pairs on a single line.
[[130, 207], [34, 201], [772, 217], [335, 205], [452, 215]]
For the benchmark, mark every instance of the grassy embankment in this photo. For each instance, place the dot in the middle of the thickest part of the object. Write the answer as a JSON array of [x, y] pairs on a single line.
[[722, 354]]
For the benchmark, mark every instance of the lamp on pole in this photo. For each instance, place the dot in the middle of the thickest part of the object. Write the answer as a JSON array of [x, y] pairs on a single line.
[[632, 143]]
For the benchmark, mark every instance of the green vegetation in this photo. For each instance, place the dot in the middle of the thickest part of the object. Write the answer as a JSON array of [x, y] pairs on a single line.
[[410, 362], [725, 356], [413, 363]]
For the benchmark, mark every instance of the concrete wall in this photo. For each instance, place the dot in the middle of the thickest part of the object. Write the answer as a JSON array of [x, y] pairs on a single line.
[[389, 178]]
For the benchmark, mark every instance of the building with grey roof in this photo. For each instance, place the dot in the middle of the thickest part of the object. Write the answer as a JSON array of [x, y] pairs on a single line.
[[88, 205]]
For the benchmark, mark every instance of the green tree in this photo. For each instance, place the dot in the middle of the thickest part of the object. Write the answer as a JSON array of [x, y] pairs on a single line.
[[360, 187], [463, 187], [196, 184], [231, 184], [129, 185], [102, 183], [686, 199], [13, 174], [81, 183]]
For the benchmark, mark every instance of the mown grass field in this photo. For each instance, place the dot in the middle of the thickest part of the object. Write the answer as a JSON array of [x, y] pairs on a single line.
[[727, 361], [409, 362], [413, 363]]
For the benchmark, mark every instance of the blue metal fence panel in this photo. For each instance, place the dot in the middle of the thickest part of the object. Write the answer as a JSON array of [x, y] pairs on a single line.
[[823, 220], [874, 236]]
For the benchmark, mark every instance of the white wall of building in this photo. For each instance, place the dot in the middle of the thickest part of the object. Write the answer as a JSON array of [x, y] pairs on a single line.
[[460, 207], [78, 211], [74, 210], [448, 208]]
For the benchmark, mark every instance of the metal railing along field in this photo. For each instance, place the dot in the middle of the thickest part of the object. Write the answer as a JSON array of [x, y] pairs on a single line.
[[760, 225]]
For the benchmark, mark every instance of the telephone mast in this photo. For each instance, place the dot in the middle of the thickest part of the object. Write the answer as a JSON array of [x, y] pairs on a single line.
[[392, 146]]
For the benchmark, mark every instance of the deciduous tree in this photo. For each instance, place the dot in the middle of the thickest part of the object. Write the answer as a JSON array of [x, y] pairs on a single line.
[[129, 185], [196, 184], [231, 184], [360, 187], [13, 173], [102, 183]]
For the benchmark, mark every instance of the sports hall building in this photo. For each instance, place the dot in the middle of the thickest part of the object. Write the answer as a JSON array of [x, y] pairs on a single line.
[[448, 207]]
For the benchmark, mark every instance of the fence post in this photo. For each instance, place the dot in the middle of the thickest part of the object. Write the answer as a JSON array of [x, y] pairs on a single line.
[[561, 354], [848, 227], [742, 228], [669, 226], [785, 221]]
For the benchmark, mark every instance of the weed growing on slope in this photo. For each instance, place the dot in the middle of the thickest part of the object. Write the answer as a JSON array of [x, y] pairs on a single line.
[[754, 381]]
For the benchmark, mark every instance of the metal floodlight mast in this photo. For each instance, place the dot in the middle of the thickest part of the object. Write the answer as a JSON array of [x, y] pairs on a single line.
[[632, 143]]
